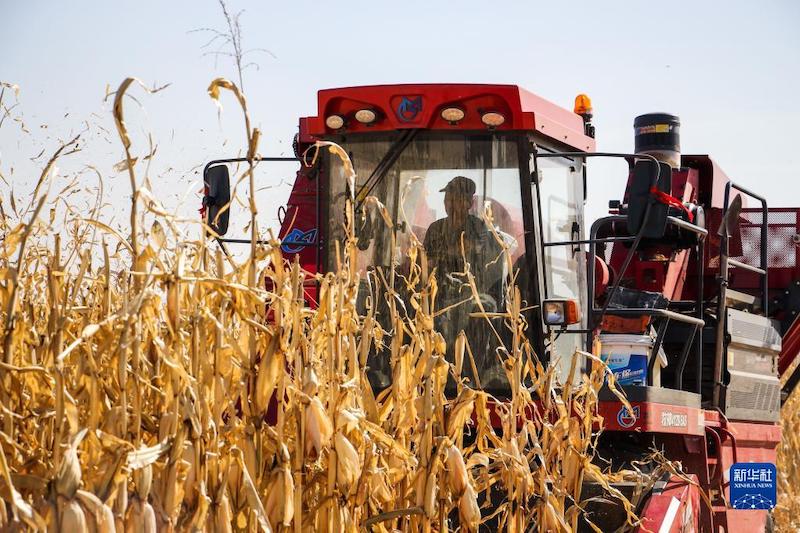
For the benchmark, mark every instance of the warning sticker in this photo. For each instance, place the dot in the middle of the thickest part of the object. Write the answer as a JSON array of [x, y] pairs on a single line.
[[654, 128]]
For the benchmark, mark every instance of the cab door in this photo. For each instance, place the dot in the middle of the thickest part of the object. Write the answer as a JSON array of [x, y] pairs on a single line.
[[558, 201]]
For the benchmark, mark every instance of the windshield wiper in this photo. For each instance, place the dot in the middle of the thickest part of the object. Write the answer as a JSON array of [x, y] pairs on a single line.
[[383, 166]]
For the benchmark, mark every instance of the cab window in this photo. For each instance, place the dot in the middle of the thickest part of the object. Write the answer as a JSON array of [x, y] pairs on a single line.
[[559, 186]]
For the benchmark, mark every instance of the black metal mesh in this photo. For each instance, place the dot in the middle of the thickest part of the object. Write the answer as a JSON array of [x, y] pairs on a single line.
[[782, 227]]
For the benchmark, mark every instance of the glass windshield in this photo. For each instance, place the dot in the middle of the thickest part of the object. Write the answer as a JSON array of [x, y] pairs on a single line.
[[438, 190]]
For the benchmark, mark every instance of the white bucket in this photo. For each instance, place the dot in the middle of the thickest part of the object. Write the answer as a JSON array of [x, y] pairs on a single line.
[[628, 356]]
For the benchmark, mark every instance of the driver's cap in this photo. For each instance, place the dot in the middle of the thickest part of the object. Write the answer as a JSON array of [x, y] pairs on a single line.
[[460, 184]]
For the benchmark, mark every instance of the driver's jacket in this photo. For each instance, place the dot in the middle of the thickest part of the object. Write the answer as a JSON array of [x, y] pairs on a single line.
[[481, 250]]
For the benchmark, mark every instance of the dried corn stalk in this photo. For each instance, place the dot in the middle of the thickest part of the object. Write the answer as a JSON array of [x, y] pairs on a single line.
[[139, 389], [787, 511]]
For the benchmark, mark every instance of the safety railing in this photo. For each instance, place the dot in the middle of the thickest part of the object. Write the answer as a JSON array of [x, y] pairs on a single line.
[[695, 322], [762, 269], [595, 315], [725, 262]]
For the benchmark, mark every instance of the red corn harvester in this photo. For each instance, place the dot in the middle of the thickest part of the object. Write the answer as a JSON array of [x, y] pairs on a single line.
[[689, 289]]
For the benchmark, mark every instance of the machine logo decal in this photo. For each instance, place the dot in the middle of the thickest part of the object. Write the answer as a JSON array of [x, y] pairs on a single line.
[[672, 420], [753, 485], [409, 108], [298, 239], [626, 418]]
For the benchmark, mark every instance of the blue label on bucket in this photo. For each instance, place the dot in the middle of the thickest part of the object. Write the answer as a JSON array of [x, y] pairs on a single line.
[[628, 369]]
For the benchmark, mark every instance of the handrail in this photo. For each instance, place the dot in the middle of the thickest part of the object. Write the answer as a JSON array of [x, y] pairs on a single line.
[[745, 266], [696, 322], [763, 266], [257, 158], [592, 317], [536, 155], [661, 313], [675, 221], [724, 263], [244, 160], [589, 241]]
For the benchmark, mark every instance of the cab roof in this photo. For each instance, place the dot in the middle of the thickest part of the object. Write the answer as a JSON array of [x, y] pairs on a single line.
[[405, 106]]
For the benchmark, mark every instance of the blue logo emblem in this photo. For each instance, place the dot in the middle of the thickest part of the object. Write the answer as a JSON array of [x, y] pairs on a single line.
[[409, 108], [753, 486], [626, 418], [298, 239]]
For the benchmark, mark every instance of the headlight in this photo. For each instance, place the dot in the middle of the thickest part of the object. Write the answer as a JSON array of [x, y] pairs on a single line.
[[560, 312], [452, 114], [366, 116], [334, 122], [492, 119]]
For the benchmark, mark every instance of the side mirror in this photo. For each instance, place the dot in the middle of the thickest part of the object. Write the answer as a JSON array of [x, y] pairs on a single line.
[[561, 312], [217, 197], [639, 197]]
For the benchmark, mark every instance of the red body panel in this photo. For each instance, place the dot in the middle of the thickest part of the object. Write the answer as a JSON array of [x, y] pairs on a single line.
[[675, 510], [300, 231], [790, 348], [652, 418]]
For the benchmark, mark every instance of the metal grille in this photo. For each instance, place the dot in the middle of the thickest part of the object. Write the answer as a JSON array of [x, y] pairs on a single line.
[[761, 397], [763, 334], [783, 234]]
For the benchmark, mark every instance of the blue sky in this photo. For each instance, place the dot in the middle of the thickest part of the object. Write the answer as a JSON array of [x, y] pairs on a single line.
[[730, 70]]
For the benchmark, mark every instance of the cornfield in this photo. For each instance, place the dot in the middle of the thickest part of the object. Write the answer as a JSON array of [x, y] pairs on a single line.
[[787, 512], [138, 371]]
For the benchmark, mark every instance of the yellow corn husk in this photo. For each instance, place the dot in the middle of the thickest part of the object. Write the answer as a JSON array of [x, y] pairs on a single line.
[[348, 419], [173, 305], [379, 488], [99, 516], [280, 497], [141, 518], [249, 452], [223, 520], [419, 488], [459, 350], [468, 510], [167, 426], [439, 344], [318, 427], [310, 382], [148, 519], [267, 377], [143, 478], [68, 479], [280, 491], [348, 464], [456, 470], [71, 517], [431, 494]]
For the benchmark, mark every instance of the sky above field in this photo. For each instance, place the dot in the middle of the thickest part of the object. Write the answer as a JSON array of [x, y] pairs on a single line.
[[730, 70]]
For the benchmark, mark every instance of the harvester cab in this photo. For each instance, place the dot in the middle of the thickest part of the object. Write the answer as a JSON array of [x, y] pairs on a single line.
[[439, 160], [675, 290]]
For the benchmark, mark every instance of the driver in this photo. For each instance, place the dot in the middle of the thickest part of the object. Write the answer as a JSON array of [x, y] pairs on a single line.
[[481, 251], [443, 245]]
